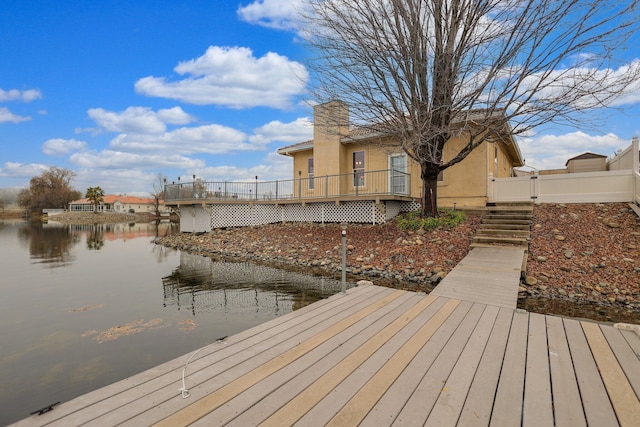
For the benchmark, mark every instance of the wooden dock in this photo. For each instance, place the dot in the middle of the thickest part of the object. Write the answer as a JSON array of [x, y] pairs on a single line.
[[378, 356], [488, 275]]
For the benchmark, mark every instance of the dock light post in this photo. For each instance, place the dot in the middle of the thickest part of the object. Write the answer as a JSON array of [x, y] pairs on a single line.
[[299, 184], [344, 257]]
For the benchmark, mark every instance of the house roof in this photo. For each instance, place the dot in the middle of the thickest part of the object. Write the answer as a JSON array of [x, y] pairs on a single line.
[[586, 156], [471, 116], [112, 198], [300, 146]]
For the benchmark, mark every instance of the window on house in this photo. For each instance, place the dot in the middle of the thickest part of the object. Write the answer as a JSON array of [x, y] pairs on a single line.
[[358, 169], [441, 176], [310, 173]]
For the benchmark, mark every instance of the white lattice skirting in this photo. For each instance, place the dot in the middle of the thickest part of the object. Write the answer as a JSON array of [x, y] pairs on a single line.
[[202, 219]]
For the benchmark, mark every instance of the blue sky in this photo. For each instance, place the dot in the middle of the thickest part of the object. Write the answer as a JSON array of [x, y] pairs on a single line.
[[121, 91]]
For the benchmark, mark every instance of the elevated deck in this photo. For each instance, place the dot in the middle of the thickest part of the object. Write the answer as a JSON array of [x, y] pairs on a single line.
[[378, 356]]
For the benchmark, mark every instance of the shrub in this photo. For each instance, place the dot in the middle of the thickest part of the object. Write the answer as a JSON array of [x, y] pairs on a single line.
[[446, 218]]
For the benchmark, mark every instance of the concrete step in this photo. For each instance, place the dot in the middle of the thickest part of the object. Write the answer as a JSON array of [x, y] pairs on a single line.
[[526, 209], [503, 232]]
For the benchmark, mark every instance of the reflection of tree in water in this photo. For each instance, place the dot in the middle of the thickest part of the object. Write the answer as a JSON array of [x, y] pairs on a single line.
[[95, 238], [200, 284], [49, 244]]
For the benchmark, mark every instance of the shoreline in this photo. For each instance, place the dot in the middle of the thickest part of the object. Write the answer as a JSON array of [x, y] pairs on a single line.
[[586, 255]]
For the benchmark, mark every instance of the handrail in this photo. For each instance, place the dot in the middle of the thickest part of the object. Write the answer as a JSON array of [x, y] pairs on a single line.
[[382, 182]]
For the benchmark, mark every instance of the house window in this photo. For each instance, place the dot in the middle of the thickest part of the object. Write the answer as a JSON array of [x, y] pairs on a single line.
[[358, 169], [310, 173], [440, 176]]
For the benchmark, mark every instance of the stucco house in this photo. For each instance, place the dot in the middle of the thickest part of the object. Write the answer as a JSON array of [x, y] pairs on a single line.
[[118, 204], [373, 162]]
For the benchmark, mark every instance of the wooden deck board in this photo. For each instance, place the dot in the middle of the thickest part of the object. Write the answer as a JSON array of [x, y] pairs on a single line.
[[449, 405], [264, 398], [633, 340], [392, 402], [479, 403], [625, 402], [537, 409], [507, 407], [486, 275], [595, 400], [378, 356], [567, 405], [421, 402], [624, 355]]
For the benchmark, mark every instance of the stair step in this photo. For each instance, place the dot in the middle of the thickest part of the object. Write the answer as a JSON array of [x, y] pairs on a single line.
[[501, 226], [506, 221], [491, 239], [508, 216], [526, 209], [502, 232]]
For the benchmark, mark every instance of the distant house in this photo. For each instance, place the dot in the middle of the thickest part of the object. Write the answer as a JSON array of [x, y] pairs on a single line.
[[118, 204], [587, 162], [358, 155]]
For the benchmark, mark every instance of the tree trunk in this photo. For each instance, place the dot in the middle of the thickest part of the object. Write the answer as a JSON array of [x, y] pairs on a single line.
[[429, 192]]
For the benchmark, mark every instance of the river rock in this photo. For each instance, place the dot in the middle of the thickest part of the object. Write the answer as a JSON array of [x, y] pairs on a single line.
[[559, 237], [530, 280]]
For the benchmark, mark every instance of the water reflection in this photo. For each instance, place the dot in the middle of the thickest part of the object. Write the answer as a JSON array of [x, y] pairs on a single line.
[[200, 284], [49, 244]]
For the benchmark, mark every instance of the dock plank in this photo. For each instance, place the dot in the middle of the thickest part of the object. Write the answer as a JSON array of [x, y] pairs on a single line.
[[479, 403], [567, 405], [537, 386], [595, 400], [449, 405], [421, 402], [507, 407], [625, 402], [392, 402], [261, 400], [303, 402], [625, 356]]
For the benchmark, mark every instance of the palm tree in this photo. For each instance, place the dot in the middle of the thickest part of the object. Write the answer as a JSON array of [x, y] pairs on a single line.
[[96, 196]]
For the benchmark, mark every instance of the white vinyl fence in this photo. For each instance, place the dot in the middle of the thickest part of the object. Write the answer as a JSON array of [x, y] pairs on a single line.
[[621, 183], [588, 187]]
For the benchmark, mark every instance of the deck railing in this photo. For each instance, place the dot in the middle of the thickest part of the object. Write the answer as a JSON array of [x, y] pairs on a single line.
[[373, 183]]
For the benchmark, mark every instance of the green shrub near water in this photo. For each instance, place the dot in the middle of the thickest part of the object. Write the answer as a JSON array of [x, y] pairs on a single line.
[[446, 218]]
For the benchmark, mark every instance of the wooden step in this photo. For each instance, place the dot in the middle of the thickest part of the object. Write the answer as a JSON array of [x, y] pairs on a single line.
[[509, 240], [506, 221], [501, 226], [508, 216], [503, 232], [526, 209]]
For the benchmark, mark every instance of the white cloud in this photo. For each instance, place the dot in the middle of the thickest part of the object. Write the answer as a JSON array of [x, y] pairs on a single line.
[[8, 116], [232, 77], [299, 130], [553, 151], [277, 14], [61, 147], [212, 139], [20, 95], [273, 167], [134, 182], [22, 170], [110, 159], [138, 119]]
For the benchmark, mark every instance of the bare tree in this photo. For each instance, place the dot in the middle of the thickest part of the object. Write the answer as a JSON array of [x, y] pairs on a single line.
[[157, 192], [424, 71]]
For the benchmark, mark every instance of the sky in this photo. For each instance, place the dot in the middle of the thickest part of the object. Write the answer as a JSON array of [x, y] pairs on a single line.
[[119, 92]]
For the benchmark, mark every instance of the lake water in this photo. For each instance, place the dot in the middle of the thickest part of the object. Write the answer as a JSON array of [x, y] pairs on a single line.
[[83, 306]]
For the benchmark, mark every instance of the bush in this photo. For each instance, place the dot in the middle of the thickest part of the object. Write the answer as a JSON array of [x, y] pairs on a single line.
[[446, 218]]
